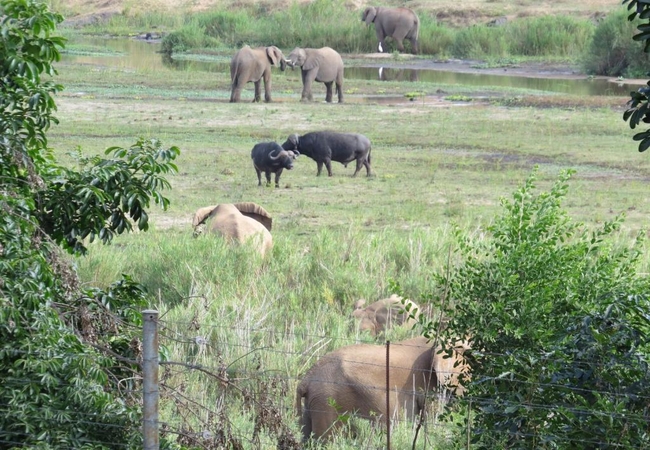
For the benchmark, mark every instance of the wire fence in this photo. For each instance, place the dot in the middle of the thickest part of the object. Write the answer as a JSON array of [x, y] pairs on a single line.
[[228, 387]]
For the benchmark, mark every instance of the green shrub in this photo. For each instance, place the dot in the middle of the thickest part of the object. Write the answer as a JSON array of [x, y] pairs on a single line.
[[479, 41], [558, 317], [548, 36], [434, 38], [612, 50]]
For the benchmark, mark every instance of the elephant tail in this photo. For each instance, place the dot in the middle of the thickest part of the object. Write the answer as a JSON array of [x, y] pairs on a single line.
[[301, 391]]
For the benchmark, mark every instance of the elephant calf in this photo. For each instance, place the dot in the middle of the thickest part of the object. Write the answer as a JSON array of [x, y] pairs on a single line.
[[327, 146], [269, 157], [352, 379], [382, 314], [238, 222]]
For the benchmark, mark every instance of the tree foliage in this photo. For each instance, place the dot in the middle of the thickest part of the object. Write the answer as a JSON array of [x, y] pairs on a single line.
[[558, 319], [65, 352], [638, 109]]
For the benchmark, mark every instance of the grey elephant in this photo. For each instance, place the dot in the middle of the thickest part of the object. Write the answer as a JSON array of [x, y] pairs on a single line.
[[352, 379], [382, 314], [237, 223], [398, 23], [324, 65], [327, 146], [254, 64]]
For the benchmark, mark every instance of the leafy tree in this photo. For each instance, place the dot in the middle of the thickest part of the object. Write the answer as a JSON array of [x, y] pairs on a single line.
[[558, 319], [64, 351], [638, 109]]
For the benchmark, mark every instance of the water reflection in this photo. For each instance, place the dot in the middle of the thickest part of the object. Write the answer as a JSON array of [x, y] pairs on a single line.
[[141, 54]]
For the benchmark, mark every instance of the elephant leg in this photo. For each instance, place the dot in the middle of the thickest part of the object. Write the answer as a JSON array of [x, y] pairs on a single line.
[[328, 164], [235, 93], [319, 164], [328, 90], [339, 89], [414, 46], [308, 78], [400, 44], [267, 86], [277, 177], [258, 97]]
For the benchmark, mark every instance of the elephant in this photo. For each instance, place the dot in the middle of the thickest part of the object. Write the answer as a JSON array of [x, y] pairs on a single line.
[[327, 146], [269, 157], [398, 23], [382, 314], [238, 223], [324, 65], [352, 379], [254, 64]]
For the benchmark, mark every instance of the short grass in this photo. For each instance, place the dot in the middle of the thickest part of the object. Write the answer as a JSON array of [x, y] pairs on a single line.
[[438, 164]]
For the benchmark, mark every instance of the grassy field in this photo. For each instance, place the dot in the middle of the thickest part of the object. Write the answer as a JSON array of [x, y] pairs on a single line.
[[440, 161]]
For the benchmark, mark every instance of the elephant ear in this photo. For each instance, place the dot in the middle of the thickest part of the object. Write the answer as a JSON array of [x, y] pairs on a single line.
[[369, 15], [274, 54], [202, 214], [314, 59], [255, 211]]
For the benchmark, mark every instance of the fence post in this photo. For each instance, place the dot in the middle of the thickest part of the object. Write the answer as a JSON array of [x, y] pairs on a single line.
[[387, 395], [150, 379]]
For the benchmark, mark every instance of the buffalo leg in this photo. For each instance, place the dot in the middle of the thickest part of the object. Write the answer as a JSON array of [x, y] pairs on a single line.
[[277, 177]]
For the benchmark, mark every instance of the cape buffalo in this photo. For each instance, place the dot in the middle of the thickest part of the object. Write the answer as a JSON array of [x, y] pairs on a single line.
[[270, 157], [327, 146]]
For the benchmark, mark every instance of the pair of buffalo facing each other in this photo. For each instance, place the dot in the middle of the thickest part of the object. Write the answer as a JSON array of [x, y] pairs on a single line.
[[237, 223], [321, 146], [352, 380], [324, 65]]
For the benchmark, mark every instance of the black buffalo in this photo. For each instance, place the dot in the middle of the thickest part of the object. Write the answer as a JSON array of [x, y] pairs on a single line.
[[270, 157], [327, 146]]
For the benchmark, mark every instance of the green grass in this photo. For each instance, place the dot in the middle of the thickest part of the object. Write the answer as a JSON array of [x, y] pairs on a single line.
[[437, 165]]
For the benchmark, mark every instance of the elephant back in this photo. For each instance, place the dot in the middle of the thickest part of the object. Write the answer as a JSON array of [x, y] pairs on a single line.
[[255, 211]]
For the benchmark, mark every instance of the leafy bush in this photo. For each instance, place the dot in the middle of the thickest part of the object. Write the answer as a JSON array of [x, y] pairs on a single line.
[[65, 352], [558, 319], [613, 52], [479, 41]]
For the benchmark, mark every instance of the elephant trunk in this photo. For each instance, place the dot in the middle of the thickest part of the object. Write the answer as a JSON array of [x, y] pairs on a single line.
[[283, 64]]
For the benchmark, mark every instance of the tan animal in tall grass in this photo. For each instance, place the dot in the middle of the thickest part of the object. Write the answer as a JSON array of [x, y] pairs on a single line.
[[352, 380], [237, 222], [386, 313]]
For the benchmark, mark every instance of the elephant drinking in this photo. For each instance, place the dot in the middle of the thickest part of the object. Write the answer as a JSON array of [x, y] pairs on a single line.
[[324, 65], [254, 64], [398, 23]]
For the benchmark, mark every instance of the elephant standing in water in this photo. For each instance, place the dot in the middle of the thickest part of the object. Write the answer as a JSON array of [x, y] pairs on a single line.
[[398, 23], [254, 64], [324, 65]]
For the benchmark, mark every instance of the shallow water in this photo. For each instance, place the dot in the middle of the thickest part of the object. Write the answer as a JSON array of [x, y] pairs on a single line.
[[138, 54]]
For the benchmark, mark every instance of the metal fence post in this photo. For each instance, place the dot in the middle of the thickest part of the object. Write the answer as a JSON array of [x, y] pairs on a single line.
[[388, 414], [150, 379]]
